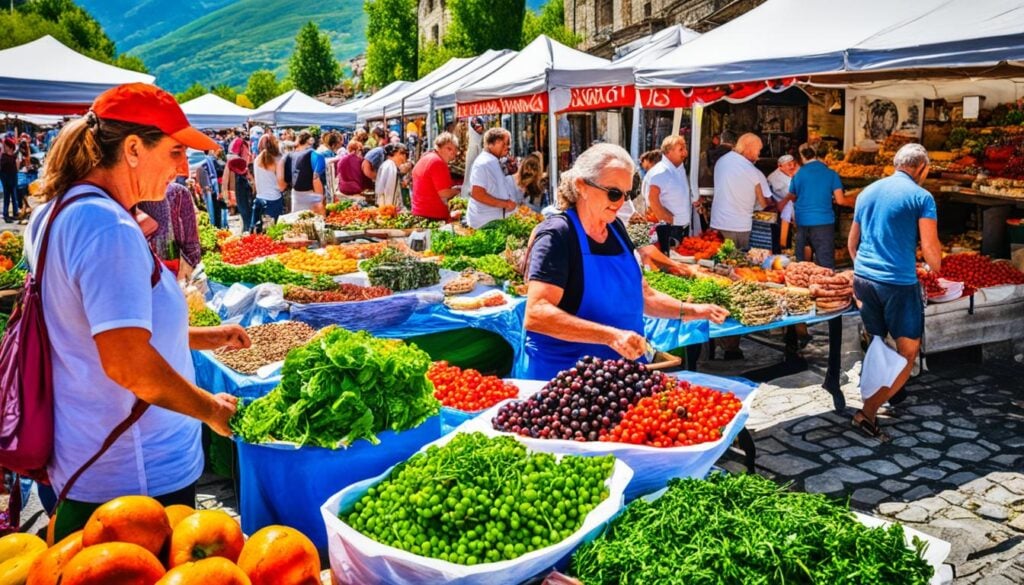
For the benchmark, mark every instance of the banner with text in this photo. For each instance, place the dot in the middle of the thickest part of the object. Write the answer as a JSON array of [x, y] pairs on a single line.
[[523, 104]]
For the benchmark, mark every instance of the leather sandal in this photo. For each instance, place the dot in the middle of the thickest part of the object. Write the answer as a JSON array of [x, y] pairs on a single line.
[[868, 427]]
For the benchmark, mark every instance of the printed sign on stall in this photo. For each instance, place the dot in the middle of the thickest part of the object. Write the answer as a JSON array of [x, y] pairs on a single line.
[[602, 98], [524, 104]]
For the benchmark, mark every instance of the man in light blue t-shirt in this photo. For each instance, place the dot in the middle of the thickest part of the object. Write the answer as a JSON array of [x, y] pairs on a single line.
[[813, 189], [889, 216]]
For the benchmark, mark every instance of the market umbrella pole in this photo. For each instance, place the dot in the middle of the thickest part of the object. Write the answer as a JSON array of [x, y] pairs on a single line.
[[552, 150]]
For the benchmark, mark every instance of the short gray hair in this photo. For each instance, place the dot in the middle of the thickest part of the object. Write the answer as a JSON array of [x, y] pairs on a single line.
[[444, 139], [494, 135], [589, 166], [910, 156]]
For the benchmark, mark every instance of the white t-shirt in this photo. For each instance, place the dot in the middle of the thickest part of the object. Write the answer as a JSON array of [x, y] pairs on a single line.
[[387, 186], [474, 146], [97, 279], [266, 180], [779, 182], [674, 190], [735, 200], [487, 173]]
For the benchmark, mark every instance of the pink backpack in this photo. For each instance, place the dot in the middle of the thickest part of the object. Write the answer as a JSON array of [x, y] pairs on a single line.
[[26, 379]]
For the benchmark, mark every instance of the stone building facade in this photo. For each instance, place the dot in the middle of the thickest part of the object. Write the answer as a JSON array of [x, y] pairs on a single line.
[[607, 24], [433, 17]]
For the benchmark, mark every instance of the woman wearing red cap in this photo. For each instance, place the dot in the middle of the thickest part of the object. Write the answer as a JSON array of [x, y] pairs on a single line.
[[116, 319]]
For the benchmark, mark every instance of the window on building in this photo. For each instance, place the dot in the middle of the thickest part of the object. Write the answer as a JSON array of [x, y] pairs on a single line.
[[647, 10], [605, 14], [430, 6], [435, 33]]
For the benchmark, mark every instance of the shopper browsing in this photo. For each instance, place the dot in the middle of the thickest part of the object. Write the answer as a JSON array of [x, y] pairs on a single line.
[[432, 184], [778, 181], [489, 195], [812, 190], [668, 194], [890, 216], [116, 319], [388, 186], [268, 171], [301, 176], [740, 189]]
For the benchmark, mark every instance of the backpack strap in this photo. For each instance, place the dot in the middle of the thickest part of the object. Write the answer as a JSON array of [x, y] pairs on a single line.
[[138, 409]]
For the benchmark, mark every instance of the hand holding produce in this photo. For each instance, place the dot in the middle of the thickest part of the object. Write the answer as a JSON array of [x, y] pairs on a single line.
[[628, 344], [269, 343], [481, 500], [468, 390], [713, 313]]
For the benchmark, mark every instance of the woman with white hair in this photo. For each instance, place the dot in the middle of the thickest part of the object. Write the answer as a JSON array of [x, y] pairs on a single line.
[[586, 294]]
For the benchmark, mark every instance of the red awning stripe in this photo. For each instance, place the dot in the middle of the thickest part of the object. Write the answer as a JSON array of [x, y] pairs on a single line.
[[49, 108]]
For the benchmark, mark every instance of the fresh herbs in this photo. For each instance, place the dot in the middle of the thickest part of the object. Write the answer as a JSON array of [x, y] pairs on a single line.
[[746, 529], [394, 270], [267, 271], [341, 387], [491, 264]]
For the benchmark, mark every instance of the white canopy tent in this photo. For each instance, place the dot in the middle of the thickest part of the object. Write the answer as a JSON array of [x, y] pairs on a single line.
[[650, 48], [781, 39], [419, 101], [213, 111], [379, 97], [444, 96], [47, 77], [295, 108], [954, 34], [395, 103]]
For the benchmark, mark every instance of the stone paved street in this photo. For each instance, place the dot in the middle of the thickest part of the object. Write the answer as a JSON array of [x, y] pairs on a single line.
[[954, 468]]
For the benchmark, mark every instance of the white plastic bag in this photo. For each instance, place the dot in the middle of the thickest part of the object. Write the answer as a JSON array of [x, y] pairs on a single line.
[[652, 466], [881, 366], [358, 559]]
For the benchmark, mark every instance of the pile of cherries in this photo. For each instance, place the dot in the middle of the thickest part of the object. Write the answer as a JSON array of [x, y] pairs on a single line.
[[583, 402]]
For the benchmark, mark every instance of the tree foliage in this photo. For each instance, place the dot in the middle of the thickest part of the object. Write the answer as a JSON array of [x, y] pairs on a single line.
[[262, 87], [68, 23], [244, 101], [433, 56], [392, 41], [549, 21], [479, 25], [225, 91], [313, 67], [195, 90]]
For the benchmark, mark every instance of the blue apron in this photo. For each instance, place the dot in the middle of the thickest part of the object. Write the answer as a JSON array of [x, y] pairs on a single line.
[[612, 295]]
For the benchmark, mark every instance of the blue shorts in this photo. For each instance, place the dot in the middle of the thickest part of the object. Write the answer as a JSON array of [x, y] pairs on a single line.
[[893, 309]]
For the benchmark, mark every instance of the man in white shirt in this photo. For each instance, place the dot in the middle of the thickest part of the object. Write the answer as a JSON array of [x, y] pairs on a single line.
[[490, 197], [639, 205], [669, 194], [740, 189], [779, 180]]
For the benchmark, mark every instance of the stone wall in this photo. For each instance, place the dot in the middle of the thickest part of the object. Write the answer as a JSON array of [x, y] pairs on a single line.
[[432, 18]]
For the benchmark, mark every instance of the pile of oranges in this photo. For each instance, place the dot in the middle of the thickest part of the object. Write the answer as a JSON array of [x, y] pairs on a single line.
[[134, 539], [333, 261]]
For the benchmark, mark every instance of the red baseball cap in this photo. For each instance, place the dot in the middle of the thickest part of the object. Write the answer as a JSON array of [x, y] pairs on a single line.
[[142, 103]]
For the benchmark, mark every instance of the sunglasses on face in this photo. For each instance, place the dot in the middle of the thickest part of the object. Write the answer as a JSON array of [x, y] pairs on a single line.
[[614, 193]]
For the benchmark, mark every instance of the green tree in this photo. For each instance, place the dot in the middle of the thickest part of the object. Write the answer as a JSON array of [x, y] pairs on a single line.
[[126, 61], [262, 87], [433, 56], [392, 45], [244, 101], [195, 90], [313, 67], [479, 25], [225, 91], [549, 21]]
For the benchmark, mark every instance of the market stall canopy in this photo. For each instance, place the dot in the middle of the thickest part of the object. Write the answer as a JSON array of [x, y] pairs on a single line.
[[418, 101], [955, 34], [543, 67], [779, 40], [652, 47], [48, 77], [212, 111], [444, 96], [380, 96], [295, 108], [393, 104], [44, 120]]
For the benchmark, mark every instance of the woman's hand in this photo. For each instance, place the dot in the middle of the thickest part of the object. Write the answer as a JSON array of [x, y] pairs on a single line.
[[225, 406], [685, 270], [230, 336], [629, 345], [713, 313]]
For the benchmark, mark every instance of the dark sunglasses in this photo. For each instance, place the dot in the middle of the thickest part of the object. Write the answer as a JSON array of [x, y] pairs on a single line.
[[614, 193]]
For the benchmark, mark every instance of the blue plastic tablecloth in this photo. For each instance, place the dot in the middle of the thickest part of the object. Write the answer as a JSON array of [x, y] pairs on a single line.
[[666, 334], [214, 376]]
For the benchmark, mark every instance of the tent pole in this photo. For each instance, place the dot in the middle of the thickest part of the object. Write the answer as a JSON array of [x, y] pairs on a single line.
[[634, 134], [431, 122], [696, 121], [552, 150], [401, 122]]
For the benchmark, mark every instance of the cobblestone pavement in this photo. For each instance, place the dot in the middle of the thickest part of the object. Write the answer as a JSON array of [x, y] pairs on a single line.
[[954, 468]]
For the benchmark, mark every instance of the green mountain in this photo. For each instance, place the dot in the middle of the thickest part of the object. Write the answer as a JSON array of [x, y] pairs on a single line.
[[131, 23], [227, 45]]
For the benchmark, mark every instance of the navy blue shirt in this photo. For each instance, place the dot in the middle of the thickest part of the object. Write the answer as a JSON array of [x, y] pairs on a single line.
[[887, 212], [814, 186]]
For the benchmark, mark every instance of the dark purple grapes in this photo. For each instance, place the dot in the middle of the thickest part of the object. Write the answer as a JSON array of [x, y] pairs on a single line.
[[581, 403]]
